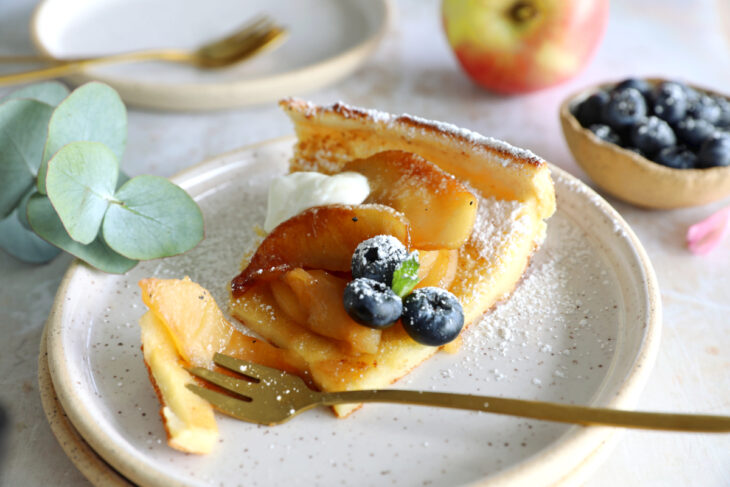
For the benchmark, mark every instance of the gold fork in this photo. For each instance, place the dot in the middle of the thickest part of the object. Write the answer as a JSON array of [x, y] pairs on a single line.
[[270, 396], [252, 38]]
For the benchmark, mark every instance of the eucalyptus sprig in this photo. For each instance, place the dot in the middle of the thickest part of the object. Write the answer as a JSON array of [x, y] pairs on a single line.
[[61, 187]]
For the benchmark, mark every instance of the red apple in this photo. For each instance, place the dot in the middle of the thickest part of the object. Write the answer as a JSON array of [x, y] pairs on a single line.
[[517, 46]]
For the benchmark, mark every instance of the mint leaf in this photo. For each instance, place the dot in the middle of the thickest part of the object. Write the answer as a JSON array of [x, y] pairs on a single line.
[[152, 218], [405, 276], [22, 243], [50, 92], [93, 112], [45, 222], [80, 183], [23, 125]]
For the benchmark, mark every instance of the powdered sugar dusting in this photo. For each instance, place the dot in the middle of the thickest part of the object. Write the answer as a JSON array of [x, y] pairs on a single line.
[[552, 327]]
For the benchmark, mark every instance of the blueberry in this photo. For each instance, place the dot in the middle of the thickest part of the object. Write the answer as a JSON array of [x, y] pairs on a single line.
[[690, 93], [589, 111], [377, 257], [606, 133], [715, 151], [624, 108], [724, 105], [639, 84], [372, 303], [677, 157], [669, 100], [693, 131], [704, 108], [432, 316], [652, 135]]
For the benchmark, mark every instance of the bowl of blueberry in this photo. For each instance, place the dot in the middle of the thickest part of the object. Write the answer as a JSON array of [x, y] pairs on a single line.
[[651, 142]]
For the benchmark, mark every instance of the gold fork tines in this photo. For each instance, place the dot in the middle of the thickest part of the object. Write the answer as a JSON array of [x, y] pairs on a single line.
[[256, 36], [269, 396]]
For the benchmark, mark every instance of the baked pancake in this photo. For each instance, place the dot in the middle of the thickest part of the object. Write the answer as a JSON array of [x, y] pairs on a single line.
[[511, 195]]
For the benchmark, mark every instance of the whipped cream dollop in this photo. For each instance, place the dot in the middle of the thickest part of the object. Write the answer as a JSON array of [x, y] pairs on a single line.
[[293, 193]]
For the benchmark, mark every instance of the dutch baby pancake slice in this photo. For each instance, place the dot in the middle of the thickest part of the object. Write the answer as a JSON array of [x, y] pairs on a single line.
[[488, 204]]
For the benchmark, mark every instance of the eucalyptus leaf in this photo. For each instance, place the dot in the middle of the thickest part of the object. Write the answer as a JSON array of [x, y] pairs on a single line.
[[154, 219], [23, 127], [22, 210], [22, 243], [93, 112], [50, 92], [80, 183], [45, 222], [123, 178]]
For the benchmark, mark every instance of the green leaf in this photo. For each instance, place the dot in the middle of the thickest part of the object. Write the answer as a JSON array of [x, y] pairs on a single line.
[[80, 183], [123, 178], [22, 209], [50, 92], [23, 126], [405, 276], [93, 112], [154, 219], [22, 243], [45, 222]]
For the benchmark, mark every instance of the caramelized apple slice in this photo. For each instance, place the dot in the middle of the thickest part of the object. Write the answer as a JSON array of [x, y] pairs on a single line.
[[441, 270], [426, 260], [188, 419], [321, 294], [196, 324], [198, 328], [320, 238], [288, 301], [258, 310], [440, 209]]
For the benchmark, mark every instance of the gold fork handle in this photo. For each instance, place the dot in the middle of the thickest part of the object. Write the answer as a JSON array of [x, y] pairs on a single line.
[[74, 66], [564, 413]]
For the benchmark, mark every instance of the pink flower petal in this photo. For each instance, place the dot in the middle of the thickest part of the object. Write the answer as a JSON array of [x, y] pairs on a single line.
[[704, 236]]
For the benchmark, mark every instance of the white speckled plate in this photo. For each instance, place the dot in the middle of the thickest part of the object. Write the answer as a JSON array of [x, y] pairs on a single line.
[[582, 327], [328, 39]]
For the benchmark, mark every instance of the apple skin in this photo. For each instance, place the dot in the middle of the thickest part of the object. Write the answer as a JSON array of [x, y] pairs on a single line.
[[519, 46]]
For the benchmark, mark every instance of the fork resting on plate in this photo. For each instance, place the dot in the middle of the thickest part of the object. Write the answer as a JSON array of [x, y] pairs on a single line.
[[269, 396], [249, 40]]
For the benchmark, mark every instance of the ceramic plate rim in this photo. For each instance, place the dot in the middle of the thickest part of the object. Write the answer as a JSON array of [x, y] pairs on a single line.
[[577, 443], [228, 95]]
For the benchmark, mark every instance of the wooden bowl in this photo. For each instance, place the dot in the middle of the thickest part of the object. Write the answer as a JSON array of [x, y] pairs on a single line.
[[633, 178]]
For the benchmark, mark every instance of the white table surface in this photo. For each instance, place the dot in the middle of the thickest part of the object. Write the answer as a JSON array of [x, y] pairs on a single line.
[[413, 71]]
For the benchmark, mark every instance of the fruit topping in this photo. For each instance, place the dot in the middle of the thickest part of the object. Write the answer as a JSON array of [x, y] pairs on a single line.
[[676, 157], [638, 84], [439, 207], [652, 135], [323, 237], [590, 111], [432, 316], [606, 133], [724, 105], [715, 151], [319, 308], [624, 108], [377, 258], [669, 100], [694, 131], [704, 108], [372, 303]]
